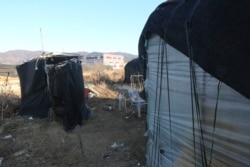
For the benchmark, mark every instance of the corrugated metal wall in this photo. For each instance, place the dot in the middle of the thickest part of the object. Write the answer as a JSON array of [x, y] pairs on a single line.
[[193, 118]]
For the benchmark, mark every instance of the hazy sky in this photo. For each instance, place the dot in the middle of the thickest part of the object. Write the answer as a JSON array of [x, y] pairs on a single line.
[[74, 25]]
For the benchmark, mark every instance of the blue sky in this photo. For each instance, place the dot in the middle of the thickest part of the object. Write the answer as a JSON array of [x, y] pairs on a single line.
[[74, 25]]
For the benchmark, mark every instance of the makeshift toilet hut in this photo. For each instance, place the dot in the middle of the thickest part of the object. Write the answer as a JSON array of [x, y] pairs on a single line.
[[50, 82], [196, 59]]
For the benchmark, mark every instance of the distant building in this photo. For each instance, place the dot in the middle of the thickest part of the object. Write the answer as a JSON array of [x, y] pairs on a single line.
[[114, 60]]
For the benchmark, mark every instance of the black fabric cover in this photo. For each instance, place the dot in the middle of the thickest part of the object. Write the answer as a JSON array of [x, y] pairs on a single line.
[[34, 93], [69, 88], [215, 34], [66, 89], [132, 68]]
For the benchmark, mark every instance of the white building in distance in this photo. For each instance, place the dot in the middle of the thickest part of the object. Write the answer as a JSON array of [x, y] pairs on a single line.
[[114, 60]]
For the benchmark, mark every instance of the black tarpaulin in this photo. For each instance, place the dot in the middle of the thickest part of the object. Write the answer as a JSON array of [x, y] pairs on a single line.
[[215, 34], [53, 82], [34, 91], [68, 87], [132, 68]]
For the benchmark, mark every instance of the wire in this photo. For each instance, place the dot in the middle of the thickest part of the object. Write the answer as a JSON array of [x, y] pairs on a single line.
[[156, 107], [193, 88], [169, 105], [214, 124]]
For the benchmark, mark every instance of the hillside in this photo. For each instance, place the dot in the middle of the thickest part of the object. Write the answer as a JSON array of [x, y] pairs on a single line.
[[19, 56]]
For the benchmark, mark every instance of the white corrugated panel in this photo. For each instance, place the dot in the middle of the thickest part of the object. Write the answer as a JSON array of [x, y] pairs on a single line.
[[184, 126]]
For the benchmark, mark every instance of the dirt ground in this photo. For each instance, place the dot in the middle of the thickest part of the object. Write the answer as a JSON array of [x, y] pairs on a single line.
[[107, 139]]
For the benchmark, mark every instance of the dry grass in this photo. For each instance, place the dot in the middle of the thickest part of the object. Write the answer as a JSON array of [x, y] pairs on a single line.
[[9, 95], [38, 142], [108, 76], [104, 81]]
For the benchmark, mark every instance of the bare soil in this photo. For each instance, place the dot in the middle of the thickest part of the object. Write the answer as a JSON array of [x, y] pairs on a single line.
[[107, 139]]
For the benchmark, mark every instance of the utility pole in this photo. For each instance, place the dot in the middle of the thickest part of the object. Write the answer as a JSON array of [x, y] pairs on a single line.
[[41, 36]]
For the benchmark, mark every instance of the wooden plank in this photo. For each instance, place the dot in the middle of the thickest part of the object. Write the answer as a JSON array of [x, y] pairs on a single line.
[[92, 88]]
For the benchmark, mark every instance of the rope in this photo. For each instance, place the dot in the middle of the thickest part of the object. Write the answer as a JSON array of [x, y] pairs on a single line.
[[156, 107], [193, 89], [160, 87], [169, 106], [214, 124]]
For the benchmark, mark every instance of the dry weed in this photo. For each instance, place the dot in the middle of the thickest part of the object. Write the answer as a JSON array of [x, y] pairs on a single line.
[[107, 76], [104, 81], [8, 99]]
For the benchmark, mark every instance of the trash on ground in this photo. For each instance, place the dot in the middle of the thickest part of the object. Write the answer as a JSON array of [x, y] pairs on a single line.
[[106, 156], [1, 160], [115, 145], [7, 137], [107, 107], [19, 153]]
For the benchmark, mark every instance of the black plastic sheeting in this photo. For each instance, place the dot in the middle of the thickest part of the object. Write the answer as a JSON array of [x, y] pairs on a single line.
[[34, 91], [214, 34], [66, 89], [132, 68]]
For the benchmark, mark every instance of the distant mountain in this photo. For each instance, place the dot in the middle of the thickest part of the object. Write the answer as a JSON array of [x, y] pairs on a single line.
[[127, 56], [19, 56]]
